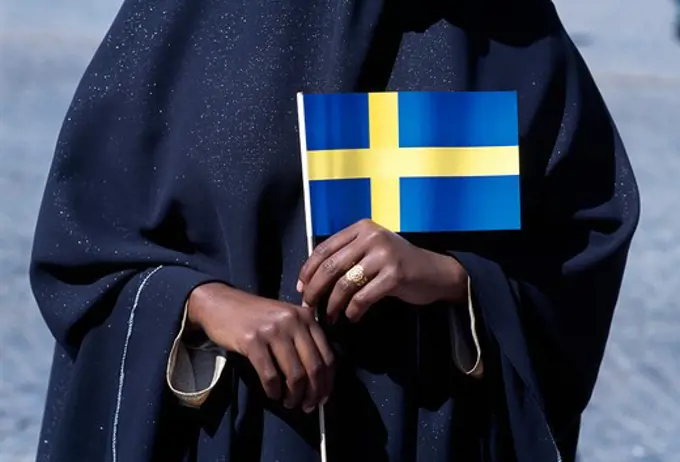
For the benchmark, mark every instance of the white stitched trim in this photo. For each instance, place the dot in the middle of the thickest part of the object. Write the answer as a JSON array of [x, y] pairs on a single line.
[[475, 371], [552, 440], [121, 374]]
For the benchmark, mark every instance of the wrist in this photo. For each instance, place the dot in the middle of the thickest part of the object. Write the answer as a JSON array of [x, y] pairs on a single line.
[[454, 279], [198, 302], [208, 298]]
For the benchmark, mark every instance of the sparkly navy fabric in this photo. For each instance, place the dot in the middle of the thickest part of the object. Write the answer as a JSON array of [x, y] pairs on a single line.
[[178, 164]]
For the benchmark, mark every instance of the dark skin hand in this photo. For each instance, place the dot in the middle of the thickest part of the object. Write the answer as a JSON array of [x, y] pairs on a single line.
[[392, 267], [269, 333]]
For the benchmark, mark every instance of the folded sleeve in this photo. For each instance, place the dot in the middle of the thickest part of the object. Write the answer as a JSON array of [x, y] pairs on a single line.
[[115, 386], [194, 367]]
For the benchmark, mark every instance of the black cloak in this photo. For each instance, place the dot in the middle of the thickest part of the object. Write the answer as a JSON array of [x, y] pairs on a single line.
[[178, 163]]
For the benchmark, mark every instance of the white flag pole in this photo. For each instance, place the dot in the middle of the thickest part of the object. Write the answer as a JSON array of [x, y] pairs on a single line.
[[310, 238]]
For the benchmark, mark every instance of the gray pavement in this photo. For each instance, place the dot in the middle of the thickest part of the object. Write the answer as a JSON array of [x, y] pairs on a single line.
[[635, 412], [43, 51]]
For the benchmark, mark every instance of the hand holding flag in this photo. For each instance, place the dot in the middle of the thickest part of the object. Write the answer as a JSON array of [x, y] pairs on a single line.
[[365, 263], [413, 162]]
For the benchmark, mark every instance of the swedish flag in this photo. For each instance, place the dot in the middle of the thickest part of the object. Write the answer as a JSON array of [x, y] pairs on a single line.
[[412, 161]]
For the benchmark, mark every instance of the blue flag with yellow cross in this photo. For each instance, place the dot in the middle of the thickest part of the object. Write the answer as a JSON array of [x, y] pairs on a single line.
[[413, 162]]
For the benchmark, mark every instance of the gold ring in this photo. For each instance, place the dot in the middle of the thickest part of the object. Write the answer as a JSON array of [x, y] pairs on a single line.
[[356, 276]]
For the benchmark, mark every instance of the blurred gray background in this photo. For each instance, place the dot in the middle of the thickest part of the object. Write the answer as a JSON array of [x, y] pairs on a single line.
[[635, 413]]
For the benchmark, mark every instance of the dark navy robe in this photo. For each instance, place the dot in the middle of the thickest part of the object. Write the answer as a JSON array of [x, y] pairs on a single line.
[[178, 164]]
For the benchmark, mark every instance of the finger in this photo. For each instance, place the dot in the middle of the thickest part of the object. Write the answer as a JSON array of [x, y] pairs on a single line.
[[289, 362], [328, 358], [344, 289], [307, 313], [314, 367], [261, 359], [323, 251], [377, 289], [330, 270]]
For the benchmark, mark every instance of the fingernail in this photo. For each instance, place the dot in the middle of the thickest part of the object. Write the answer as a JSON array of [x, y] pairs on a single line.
[[300, 286], [324, 400], [309, 409]]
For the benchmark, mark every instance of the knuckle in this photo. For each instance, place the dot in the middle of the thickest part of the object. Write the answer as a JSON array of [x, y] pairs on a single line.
[[268, 331], [329, 265], [344, 285], [297, 378], [359, 299], [395, 273], [316, 370], [365, 223], [377, 237], [383, 254], [288, 318], [250, 340], [322, 249], [269, 378]]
